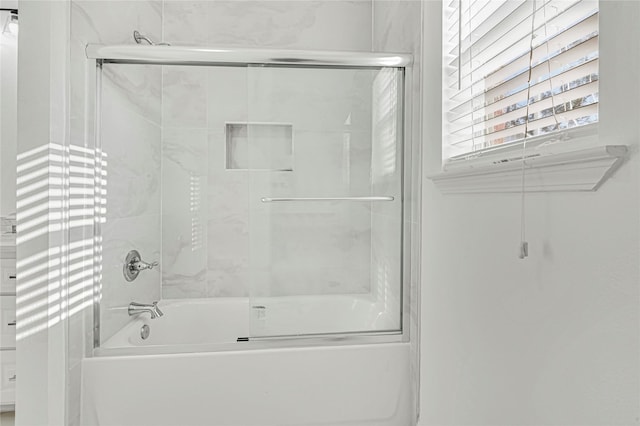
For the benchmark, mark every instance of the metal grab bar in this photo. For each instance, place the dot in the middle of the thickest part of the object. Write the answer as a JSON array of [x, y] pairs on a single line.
[[277, 200]]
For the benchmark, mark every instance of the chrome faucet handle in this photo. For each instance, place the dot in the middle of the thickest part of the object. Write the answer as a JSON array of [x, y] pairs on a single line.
[[133, 264], [140, 265]]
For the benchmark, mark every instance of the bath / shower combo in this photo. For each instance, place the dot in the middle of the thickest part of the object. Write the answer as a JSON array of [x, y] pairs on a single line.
[[280, 195]]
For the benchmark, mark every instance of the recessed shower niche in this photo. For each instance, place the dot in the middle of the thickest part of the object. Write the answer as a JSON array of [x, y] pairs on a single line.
[[271, 146]]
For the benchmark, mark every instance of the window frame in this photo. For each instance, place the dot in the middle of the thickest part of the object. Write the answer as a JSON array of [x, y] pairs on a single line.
[[589, 131], [608, 141]]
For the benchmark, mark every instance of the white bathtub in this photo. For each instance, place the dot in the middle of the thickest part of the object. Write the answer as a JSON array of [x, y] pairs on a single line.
[[217, 381]]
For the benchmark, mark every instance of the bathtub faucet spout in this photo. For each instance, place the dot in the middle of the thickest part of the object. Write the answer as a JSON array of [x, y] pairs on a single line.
[[140, 308]]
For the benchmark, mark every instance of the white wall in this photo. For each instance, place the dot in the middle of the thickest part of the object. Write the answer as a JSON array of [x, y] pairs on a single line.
[[41, 343], [8, 118], [552, 339]]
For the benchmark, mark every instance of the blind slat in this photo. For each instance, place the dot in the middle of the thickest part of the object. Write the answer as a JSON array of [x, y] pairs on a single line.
[[513, 19], [577, 115], [519, 51], [498, 15], [559, 87], [541, 109], [565, 61]]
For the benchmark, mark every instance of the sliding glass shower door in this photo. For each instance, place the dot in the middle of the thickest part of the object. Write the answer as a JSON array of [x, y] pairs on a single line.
[[274, 192], [323, 147]]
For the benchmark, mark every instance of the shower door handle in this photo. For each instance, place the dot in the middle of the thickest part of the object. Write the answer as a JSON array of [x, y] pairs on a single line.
[[274, 200]]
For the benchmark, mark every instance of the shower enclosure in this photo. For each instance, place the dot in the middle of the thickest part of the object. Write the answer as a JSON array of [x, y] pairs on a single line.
[[274, 191]]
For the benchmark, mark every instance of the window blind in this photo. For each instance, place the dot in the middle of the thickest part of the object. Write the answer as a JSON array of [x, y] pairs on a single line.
[[514, 69]]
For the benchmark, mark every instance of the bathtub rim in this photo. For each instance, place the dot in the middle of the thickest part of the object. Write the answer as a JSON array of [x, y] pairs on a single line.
[[260, 344], [342, 338]]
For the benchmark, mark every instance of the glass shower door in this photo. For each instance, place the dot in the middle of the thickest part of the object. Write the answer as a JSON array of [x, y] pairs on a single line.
[[323, 150]]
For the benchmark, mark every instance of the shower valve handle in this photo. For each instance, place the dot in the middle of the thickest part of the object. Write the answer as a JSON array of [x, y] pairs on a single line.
[[134, 264], [140, 265]]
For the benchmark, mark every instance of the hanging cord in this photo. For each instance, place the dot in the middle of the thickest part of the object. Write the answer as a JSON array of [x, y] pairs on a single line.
[[473, 124], [563, 135], [524, 245], [546, 37]]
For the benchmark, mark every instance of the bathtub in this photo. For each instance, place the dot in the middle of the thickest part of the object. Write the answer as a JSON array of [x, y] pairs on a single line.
[[192, 370]]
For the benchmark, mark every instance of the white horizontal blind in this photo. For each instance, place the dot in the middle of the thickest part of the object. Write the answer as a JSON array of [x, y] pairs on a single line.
[[514, 69]]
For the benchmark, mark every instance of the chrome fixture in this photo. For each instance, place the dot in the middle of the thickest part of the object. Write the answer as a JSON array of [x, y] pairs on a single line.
[[274, 200], [260, 310], [202, 55], [141, 308], [11, 24], [139, 38], [144, 332], [133, 264]]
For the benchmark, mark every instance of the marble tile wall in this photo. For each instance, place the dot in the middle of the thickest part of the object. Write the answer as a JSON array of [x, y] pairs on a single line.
[[131, 140], [295, 249], [293, 24], [397, 27]]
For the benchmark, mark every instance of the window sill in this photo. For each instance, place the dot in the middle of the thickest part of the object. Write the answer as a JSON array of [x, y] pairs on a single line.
[[582, 170]]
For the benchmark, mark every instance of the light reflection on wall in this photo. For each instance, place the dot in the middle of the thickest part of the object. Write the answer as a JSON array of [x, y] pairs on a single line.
[[385, 123], [60, 202], [195, 206], [386, 132], [346, 151]]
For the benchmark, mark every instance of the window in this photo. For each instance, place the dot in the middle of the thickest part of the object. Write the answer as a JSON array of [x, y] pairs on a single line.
[[517, 69]]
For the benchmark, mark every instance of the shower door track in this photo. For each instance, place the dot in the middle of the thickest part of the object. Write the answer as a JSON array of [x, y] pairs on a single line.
[[194, 55]]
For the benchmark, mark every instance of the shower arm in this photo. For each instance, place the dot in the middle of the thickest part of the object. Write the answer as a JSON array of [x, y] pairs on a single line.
[[139, 38]]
